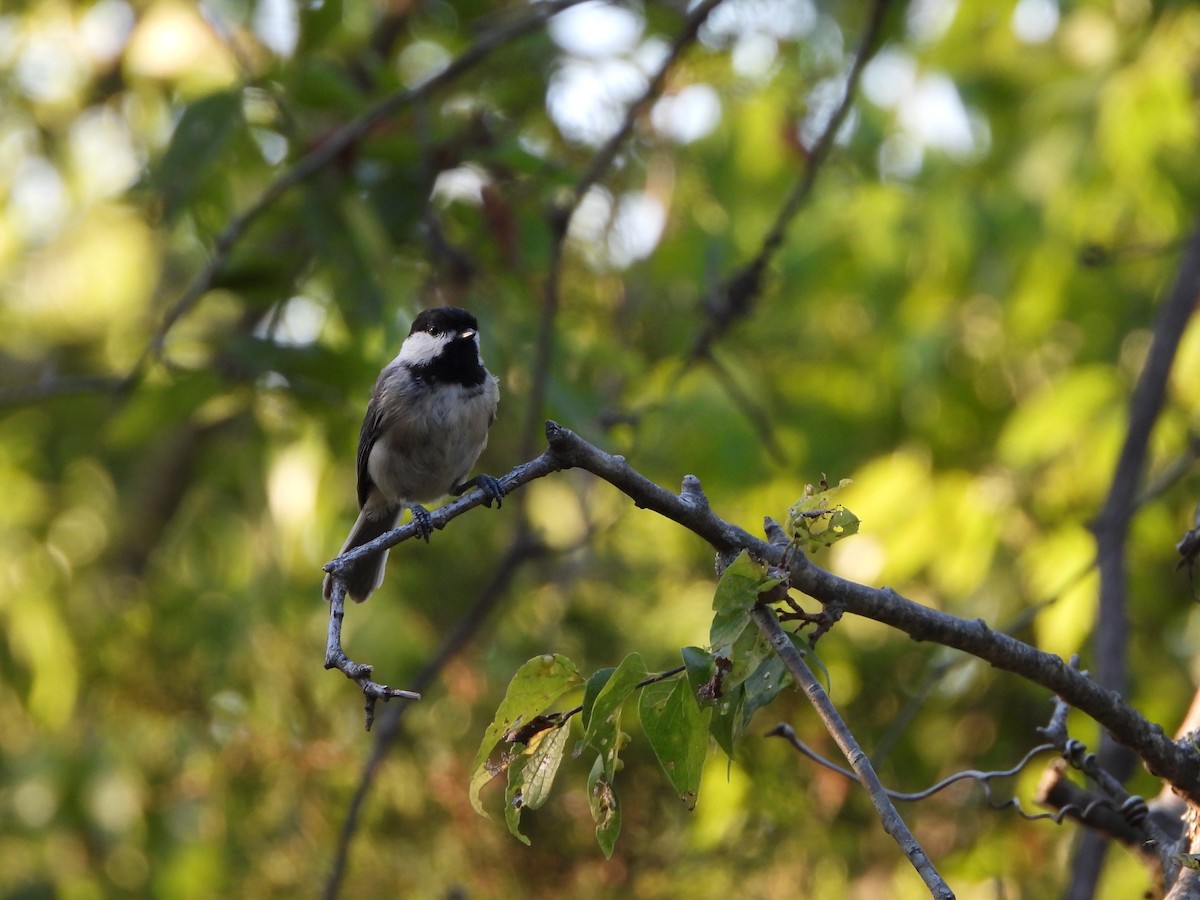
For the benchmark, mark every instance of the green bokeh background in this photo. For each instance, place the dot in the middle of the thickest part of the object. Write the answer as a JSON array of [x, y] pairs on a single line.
[[958, 334]]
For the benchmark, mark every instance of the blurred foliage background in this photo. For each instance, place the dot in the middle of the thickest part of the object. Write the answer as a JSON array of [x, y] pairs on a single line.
[[954, 320]]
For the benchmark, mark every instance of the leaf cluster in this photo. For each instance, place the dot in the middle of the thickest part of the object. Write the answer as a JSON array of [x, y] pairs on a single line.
[[715, 693]]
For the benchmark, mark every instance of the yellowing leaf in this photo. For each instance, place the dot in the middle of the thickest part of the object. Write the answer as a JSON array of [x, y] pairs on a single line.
[[538, 683]]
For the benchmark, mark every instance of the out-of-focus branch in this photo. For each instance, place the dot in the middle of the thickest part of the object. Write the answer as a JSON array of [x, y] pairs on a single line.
[[333, 146], [1087, 807], [738, 295], [47, 388], [560, 220], [1111, 527]]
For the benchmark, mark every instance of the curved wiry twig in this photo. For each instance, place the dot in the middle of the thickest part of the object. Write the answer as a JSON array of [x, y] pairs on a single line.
[[983, 777]]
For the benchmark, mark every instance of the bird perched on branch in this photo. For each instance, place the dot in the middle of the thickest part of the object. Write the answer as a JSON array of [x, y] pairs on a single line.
[[426, 424]]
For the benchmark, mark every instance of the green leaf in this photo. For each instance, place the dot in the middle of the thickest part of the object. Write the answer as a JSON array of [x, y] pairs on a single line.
[[844, 522], [512, 800], [591, 690], [810, 656], [737, 593], [746, 655], [198, 142], [727, 720], [762, 686], [701, 668], [726, 628], [817, 520], [536, 685], [604, 727], [677, 730], [739, 585], [606, 809]]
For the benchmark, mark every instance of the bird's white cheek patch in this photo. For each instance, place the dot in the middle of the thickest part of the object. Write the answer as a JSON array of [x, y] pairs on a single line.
[[420, 348]]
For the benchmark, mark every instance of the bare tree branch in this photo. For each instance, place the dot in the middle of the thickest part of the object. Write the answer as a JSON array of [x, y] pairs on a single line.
[[1178, 763], [893, 824]]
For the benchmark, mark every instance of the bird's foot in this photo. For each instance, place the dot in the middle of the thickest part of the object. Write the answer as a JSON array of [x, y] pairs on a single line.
[[489, 484], [422, 521]]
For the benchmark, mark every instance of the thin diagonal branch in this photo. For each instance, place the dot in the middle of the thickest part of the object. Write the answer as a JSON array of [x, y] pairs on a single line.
[[893, 824], [520, 476]]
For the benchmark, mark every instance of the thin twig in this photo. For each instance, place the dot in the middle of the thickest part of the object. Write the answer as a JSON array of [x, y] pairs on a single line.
[[524, 547], [336, 658], [893, 823]]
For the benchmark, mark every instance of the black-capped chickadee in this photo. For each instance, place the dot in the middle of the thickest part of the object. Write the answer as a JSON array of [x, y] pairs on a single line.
[[425, 427]]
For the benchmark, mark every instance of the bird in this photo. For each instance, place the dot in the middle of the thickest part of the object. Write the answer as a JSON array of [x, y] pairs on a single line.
[[426, 424]]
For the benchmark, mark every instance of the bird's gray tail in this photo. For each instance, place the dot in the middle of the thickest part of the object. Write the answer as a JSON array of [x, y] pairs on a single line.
[[366, 574]]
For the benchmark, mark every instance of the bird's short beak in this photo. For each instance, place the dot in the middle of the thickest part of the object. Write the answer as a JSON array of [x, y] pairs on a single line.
[[467, 333]]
